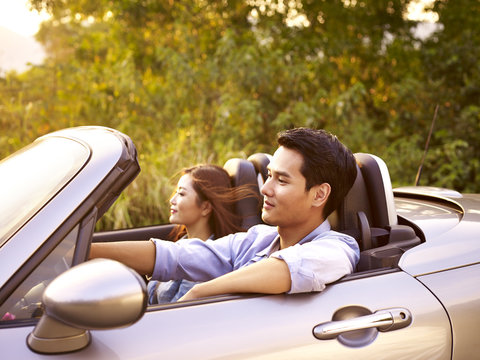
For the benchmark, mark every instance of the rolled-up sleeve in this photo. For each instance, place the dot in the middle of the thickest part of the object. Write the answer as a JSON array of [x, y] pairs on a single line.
[[166, 253], [320, 262], [193, 259]]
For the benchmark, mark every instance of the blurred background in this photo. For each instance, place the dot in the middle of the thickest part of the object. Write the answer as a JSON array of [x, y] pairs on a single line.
[[194, 81]]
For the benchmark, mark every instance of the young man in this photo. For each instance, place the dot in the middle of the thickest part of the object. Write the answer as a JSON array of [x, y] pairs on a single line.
[[308, 177]]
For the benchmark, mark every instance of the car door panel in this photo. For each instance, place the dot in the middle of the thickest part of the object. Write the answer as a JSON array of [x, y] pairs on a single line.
[[277, 327], [459, 291], [281, 327], [163, 231]]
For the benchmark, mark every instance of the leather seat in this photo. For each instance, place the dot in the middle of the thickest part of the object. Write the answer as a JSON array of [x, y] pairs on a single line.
[[260, 161], [368, 213], [242, 172]]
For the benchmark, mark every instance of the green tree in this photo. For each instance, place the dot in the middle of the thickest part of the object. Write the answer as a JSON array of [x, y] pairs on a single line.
[[204, 81], [451, 61]]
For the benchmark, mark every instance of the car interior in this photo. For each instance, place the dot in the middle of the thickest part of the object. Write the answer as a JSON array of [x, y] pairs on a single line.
[[243, 173], [367, 212]]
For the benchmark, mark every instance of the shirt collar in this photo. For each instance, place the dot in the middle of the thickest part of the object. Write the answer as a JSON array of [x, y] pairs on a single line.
[[325, 226], [211, 237], [275, 244]]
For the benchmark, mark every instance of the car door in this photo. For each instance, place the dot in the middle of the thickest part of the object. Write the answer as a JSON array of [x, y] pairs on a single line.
[[281, 326]]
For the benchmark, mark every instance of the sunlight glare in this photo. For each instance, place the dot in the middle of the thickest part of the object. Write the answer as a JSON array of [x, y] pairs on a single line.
[[16, 16], [416, 11]]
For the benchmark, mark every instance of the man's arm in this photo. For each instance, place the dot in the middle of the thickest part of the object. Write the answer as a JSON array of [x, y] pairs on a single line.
[[139, 255], [269, 276]]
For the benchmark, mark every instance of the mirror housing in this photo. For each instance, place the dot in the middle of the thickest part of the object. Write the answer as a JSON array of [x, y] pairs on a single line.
[[97, 294]]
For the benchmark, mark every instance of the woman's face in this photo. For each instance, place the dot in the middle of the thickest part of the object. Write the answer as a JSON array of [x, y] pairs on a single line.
[[185, 208]]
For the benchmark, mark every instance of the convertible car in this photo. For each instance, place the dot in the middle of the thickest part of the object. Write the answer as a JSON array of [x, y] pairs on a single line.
[[414, 295]]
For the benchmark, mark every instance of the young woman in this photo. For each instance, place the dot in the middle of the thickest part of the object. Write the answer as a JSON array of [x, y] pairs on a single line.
[[203, 208]]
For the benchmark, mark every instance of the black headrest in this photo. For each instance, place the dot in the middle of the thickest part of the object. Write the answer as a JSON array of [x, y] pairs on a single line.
[[345, 217], [242, 172], [368, 209], [379, 188], [260, 161]]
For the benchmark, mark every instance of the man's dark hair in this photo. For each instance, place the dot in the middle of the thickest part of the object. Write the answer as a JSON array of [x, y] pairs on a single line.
[[325, 160]]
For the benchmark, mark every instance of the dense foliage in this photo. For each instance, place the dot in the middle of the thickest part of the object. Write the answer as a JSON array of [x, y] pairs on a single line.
[[205, 80]]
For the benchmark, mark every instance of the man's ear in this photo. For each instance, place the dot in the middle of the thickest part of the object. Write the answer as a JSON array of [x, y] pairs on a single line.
[[320, 194], [206, 208]]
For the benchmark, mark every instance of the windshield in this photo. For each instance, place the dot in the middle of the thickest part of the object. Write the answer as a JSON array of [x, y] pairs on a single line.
[[32, 176]]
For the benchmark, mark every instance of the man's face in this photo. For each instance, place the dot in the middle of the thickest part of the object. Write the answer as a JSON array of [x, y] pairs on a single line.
[[286, 202]]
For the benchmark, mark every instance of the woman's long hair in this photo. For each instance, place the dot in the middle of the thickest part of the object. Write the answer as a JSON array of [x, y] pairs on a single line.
[[212, 183]]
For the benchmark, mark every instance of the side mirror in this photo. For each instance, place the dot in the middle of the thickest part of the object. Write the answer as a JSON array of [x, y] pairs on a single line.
[[97, 294]]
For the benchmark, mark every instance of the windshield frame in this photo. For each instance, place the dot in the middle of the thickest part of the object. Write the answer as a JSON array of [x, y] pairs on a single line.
[[33, 176]]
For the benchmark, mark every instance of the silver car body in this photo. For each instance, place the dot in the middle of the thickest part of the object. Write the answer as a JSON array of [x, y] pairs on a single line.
[[425, 307]]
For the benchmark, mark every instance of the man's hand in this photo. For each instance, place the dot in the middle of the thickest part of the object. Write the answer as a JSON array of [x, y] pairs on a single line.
[[269, 276]]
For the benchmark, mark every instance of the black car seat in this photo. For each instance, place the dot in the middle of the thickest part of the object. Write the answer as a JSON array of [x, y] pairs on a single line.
[[260, 161], [368, 213], [242, 172]]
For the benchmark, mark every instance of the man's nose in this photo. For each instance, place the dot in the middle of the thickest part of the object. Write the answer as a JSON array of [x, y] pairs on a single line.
[[266, 188]]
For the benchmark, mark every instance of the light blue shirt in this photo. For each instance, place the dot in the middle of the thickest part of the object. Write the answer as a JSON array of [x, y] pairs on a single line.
[[321, 257], [160, 292]]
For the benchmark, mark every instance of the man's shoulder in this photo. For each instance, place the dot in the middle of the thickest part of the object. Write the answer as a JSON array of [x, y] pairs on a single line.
[[263, 230], [338, 237], [334, 234], [258, 233]]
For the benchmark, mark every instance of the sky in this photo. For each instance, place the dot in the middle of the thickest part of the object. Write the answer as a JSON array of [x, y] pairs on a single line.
[[16, 16]]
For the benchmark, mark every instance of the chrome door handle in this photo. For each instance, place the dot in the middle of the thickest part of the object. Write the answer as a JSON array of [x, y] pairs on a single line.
[[383, 320]]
